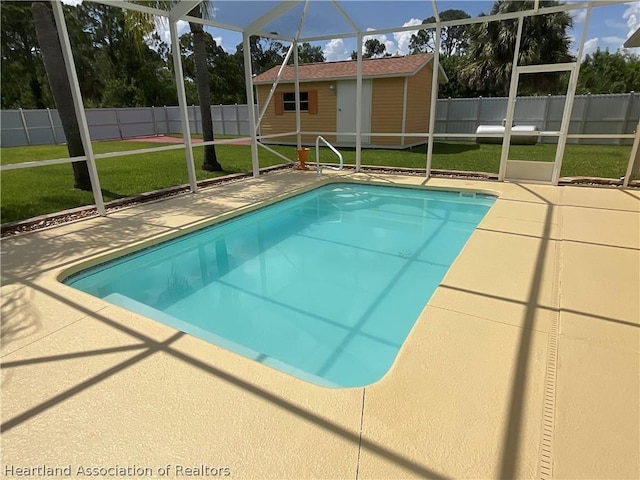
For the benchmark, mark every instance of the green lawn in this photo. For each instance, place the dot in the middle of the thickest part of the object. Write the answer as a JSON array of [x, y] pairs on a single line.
[[579, 160], [29, 192]]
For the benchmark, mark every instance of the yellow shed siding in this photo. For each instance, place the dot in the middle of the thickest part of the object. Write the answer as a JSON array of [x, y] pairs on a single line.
[[386, 109], [387, 100], [418, 104], [323, 121]]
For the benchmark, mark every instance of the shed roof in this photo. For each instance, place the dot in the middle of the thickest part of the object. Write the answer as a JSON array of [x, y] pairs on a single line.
[[371, 68], [633, 40]]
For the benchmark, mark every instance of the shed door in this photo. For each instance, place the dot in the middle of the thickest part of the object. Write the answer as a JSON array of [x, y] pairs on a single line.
[[346, 114]]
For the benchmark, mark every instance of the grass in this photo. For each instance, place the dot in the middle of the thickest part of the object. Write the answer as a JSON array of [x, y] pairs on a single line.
[[27, 193], [30, 192], [579, 160]]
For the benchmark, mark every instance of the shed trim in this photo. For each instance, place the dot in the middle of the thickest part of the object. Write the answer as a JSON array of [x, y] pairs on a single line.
[[404, 109]]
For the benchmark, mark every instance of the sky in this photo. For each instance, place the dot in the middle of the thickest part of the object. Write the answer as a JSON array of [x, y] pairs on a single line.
[[609, 26]]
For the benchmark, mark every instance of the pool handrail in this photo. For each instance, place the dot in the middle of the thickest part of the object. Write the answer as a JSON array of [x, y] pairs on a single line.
[[318, 166]]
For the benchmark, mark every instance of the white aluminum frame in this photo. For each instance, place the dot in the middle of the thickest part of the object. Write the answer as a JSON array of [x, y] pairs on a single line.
[[435, 70], [182, 102], [78, 105], [632, 158], [574, 68], [253, 128], [511, 105], [276, 82], [179, 12]]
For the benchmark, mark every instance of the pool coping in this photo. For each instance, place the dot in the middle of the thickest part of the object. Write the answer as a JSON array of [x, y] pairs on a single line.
[[208, 222], [66, 275]]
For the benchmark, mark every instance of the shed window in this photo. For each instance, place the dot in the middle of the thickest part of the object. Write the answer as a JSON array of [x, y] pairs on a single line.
[[289, 102], [286, 102]]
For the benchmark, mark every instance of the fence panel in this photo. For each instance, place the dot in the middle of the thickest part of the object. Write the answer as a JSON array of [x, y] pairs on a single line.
[[230, 122], [40, 132], [173, 115], [57, 127], [135, 122], [592, 114], [493, 110], [530, 111], [606, 115], [160, 123], [13, 132], [633, 114], [218, 120], [103, 123], [243, 121]]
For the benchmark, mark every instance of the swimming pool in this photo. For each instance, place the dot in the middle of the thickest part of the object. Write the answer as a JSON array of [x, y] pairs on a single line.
[[325, 285]]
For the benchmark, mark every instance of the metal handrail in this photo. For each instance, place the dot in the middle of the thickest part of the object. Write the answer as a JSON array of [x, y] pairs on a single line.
[[318, 166]]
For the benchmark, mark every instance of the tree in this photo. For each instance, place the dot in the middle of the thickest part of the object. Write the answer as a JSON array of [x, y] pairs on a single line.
[[227, 81], [605, 72], [266, 53], [453, 88], [453, 43], [118, 59], [210, 162], [453, 39], [201, 10], [92, 66], [23, 76], [372, 48], [61, 88], [226, 76], [309, 54], [130, 72], [489, 57]]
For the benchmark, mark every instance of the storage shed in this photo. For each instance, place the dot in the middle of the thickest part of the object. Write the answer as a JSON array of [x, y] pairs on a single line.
[[396, 99]]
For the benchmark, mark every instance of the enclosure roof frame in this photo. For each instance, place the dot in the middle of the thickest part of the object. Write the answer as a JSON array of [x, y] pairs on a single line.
[[178, 10]]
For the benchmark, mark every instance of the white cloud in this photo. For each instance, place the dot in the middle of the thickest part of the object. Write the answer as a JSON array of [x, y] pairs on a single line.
[[618, 41], [610, 43], [336, 50], [578, 15], [613, 24], [403, 38], [398, 43], [591, 45], [219, 41], [632, 16], [162, 27], [73, 3]]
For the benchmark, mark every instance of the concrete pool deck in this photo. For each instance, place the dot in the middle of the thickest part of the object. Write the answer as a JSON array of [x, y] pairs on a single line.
[[525, 362]]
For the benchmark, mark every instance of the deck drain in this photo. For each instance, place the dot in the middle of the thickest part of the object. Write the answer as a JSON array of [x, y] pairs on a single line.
[[545, 465], [548, 412]]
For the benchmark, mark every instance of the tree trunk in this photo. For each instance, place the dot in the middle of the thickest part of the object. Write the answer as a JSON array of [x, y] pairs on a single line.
[[204, 94], [61, 89]]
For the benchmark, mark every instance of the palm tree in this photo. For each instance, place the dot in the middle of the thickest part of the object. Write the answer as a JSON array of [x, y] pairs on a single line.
[[204, 8], [61, 89], [489, 57], [210, 162]]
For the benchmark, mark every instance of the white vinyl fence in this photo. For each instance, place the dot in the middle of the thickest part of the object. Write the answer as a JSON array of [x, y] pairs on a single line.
[[592, 114], [43, 127]]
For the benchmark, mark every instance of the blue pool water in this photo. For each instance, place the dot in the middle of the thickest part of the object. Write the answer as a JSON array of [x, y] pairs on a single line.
[[324, 286]]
